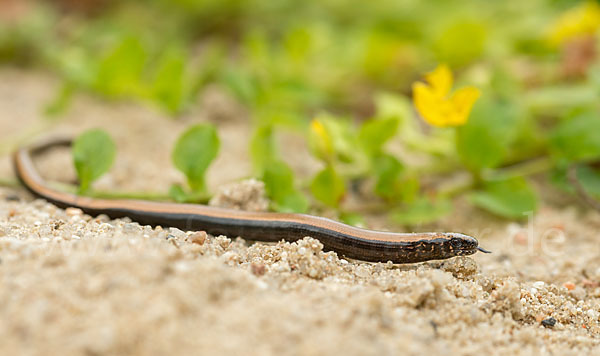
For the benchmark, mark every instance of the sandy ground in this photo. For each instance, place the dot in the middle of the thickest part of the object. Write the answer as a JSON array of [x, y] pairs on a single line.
[[72, 284]]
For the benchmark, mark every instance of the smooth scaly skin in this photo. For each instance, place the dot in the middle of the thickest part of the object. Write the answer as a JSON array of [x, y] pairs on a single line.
[[349, 241]]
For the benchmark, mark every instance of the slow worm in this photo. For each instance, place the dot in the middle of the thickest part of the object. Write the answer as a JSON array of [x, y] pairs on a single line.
[[349, 241]]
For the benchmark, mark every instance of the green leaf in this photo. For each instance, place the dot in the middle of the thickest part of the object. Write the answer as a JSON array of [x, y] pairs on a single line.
[[484, 140], [287, 119], [77, 65], [297, 43], [262, 148], [388, 171], [589, 178], [376, 132], [241, 85], [422, 211], [93, 155], [180, 195], [177, 193], [168, 88], [353, 219], [578, 139], [332, 137], [461, 42], [294, 202], [391, 105], [195, 149], [558, 177], [400, 108], [120, 70], [508, 198], [279, 185], [382, 52], [61, 101], [328, 187]]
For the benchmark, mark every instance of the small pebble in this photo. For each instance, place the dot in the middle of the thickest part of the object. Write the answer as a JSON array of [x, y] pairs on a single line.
[[177, 233], [549, 322], [73, 211], [569, 286], [198, 237], [102, 218], [258, 269], [539, 284], [131, 228], [362, 271], [230, 256], [578, 293], [592, 314]]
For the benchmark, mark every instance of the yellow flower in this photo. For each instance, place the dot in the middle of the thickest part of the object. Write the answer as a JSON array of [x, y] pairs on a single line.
[[437, 106], [320, 140], [582, 20]]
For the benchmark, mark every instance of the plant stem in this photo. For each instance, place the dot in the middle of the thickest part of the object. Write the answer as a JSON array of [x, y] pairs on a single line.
[[524, 169], [113, 195], [553, 99], [527, 168], [130, 195], [455, 189]]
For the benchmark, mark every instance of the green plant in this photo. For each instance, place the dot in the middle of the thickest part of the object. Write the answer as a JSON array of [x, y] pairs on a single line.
[[93, 155], [344, 85], [195, 149], [275, 173]]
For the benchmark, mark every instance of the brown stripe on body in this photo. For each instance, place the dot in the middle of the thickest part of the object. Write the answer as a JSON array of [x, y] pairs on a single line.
[[353, 242], [27, 173]]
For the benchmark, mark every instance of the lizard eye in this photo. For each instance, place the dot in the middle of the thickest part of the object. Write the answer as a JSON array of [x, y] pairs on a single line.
[[456, 242]]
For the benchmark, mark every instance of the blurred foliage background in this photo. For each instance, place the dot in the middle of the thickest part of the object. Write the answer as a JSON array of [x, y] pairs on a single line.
[[349, 66]]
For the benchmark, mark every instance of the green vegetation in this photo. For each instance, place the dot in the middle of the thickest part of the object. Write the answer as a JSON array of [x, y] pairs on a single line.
[[93, 155], [193, 153], [348, 79]]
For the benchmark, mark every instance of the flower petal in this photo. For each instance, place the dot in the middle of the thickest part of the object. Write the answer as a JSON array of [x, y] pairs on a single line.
[[428, 104], [321, 139], [584, 19], [462, 102], [440, 80]]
